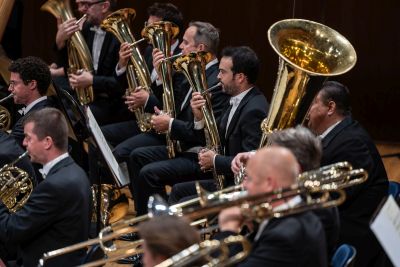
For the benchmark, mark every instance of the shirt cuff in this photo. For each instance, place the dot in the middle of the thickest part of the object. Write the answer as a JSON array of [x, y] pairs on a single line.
[[119, 71], [198, 125]]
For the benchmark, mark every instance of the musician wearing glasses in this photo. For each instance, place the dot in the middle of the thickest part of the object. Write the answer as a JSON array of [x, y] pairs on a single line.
[[344, 139], [104, 49], [57, 212], [29, 81], [293, 240]]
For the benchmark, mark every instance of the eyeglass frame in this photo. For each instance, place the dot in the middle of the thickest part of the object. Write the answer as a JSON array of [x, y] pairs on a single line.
[[90, 4], [13, 83]]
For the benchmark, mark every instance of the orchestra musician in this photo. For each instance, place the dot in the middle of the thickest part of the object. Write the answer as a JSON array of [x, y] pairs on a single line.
[[57, 212], [293, 240]]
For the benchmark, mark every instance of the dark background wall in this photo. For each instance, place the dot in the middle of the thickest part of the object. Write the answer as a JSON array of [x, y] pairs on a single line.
[[371, 26]]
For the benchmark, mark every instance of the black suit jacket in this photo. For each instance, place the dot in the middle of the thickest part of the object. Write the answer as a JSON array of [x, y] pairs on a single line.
[[348, 141], [18, 130], [244, 132], [296, 240], [56, 215], [10, 151]]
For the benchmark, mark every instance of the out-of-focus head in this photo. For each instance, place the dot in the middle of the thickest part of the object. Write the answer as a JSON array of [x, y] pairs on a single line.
[[200, 36], [165, 12], [269, 169], [96, 10]]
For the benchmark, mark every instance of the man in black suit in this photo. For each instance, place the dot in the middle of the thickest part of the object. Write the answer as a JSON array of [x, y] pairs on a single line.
[[293, 240], [107, 106], [344, 139], [57, 212], [199, 36], [29, 81]]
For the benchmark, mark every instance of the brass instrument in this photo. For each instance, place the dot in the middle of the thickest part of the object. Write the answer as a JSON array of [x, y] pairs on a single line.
[[160, 35], [15, 185], [315, 186], [137, 72], [193, 66], [5, 116], [204, 252], [79, 56], [305, 49]]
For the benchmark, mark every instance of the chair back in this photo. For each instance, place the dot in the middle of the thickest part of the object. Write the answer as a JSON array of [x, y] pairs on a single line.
[[394, 189], [344, 256]]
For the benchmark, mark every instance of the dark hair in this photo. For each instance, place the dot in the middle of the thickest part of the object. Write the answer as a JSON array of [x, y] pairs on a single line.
[[167, 235], [304, 145], [207, 34], [113, 5], [244, 60], [167, 12], [338, 93], [32, 68], [50, 122]]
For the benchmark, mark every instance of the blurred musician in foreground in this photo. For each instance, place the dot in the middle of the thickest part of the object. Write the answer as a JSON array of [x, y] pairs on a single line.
[[57, 212], [30, 78], [165, 236], [344, 139], [294, 240], [149, 167], [104, 49]]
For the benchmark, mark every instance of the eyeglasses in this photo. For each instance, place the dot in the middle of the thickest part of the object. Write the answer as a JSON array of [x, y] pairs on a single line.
[[89, 4], [13, 83]]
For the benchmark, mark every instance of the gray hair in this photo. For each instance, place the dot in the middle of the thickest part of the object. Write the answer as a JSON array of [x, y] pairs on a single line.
[[303, 143], [206, 34]]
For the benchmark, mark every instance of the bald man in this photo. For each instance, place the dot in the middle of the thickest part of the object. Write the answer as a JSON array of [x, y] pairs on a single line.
[[277, 242]]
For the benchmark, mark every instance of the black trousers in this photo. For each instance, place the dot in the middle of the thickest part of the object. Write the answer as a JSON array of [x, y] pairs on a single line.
[[185, 191], [151, 170]]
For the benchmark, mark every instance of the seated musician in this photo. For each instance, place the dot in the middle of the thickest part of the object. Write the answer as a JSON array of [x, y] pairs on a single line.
[[293, 240], [57, 212], [165, 236]]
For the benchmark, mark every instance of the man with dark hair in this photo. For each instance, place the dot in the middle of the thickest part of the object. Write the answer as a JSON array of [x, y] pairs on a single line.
[[164, 236], [57, 212], [29, 81], [344, 139]]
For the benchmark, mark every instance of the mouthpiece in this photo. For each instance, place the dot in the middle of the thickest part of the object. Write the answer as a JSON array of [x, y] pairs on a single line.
[[212, 88], [172, 57], [82, 18], [6, 98]]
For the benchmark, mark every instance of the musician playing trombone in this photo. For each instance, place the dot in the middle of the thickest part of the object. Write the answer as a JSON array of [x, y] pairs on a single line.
[[294, 240]]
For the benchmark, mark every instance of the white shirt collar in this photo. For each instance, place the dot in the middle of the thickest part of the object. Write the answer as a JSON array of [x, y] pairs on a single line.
[[47, 167], [28, 107], [327, 131], [235, 100], [174, 46]]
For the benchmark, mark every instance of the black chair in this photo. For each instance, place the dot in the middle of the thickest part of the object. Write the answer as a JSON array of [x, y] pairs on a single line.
[[344, 256]]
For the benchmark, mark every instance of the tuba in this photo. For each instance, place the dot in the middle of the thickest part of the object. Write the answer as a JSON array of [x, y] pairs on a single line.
[[160, 35], [305, 49], [193, 67], [15, 185], [118, 24], [79, 56]]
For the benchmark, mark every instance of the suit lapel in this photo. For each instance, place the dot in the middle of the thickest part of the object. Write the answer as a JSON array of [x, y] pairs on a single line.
[[104, 49], [335, 131], [59, 165]]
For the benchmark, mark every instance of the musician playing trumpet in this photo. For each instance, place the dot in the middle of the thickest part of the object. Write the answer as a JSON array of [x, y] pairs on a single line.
[[279, 241]]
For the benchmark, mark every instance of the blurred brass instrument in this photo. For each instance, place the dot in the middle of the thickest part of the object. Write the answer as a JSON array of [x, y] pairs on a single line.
[[203, 252], [137, 72], [193, 66], [5, 116], [79, 56], [315, 186], [15, 185], [160, 35], [306, 49]]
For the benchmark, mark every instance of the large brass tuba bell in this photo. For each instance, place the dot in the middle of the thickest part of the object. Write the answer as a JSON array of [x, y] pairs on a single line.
[[79, 56], [160, 35], [118, 24], [15, 185], [305, 49]]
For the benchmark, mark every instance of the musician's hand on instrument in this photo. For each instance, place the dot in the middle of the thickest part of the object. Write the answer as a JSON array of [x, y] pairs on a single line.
[[82, 80], [140, 97], [125, 52], [65, 30], [240, 159], [158, 57], [130, 102], [160, 122], [230, 219], [197, 102], [206, 159]]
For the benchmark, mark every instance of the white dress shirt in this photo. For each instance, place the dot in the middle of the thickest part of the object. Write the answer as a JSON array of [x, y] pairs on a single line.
[[47, 167]]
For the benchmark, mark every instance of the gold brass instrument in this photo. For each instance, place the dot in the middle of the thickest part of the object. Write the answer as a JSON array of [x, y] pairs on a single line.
[[137, 72], [203, 251], [5, 116], [15, 185], [160, 35], [79, 56], [315, 186], [305, 49], [193, 66]]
